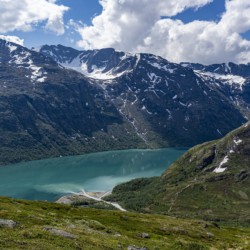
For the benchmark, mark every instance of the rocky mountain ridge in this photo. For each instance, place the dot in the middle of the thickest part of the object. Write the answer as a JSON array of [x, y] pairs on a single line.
[[139, 80], [60, 101], [62, 114]]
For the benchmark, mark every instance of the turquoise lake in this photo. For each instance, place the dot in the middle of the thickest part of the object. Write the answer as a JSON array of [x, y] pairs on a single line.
[[51, 178]]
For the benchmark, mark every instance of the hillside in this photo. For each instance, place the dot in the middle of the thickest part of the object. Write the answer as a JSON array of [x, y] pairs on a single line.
[[211, 181], [43, 225]]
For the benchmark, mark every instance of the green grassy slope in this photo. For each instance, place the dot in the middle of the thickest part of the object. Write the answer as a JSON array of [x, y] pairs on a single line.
[[191, 188], [99, 229]]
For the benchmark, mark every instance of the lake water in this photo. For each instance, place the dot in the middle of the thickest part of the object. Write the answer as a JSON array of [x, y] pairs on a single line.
[[51, 178]]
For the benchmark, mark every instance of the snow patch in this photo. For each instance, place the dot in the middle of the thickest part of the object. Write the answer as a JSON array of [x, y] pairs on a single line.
[[138, 58], [95, 72], [161, 67], [154, 78], [11, 47], [220, 169], [23, 60], [229, 79], [237, 141], [182, 104]]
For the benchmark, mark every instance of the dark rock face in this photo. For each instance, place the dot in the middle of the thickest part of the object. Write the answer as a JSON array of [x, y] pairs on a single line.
[[208, 159], [116, 100], [172, 104], [244, 174]]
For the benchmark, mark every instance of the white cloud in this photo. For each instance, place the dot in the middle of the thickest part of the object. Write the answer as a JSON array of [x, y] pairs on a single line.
[[137, 26], [24, 15], [13, 39]]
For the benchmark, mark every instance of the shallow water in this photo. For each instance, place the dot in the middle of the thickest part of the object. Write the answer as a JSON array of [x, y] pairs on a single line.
[[51, 178]]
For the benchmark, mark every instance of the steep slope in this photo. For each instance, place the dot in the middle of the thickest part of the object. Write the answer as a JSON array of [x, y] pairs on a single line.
[[211, 181], [46, 110], [167, 104]]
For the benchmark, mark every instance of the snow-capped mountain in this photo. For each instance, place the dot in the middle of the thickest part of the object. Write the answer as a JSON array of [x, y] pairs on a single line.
[[231, 75], [223, 69], [150, 85], [60, 101], [232, 80], [29, 63], [98, 64]]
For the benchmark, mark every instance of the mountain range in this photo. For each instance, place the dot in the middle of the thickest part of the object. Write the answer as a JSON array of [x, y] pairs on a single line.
[[58, 101]]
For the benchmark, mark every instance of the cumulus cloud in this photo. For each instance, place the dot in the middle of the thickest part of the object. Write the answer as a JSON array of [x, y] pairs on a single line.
[[24, 15], [13, 39], [138, 26]]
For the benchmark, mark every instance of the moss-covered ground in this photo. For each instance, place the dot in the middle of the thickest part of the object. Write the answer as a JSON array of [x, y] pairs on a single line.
[[102, 229]]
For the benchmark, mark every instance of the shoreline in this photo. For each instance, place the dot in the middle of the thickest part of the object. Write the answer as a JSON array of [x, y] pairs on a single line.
[[95, 196]]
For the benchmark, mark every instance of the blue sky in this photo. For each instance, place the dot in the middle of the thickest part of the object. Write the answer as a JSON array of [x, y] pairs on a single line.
[[80, 10], [137, 26], [210, 12], [85, 10]]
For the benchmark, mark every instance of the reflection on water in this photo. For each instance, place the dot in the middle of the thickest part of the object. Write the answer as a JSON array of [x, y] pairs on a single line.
[[52, 178]]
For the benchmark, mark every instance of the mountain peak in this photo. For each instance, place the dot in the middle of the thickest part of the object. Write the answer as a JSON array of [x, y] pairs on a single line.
[[102, 64], [27, 62]]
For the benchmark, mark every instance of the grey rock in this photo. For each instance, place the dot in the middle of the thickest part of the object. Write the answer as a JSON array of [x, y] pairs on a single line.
[[59, 232], [137, 248], [144, 235], [7, 223], [210, 235]]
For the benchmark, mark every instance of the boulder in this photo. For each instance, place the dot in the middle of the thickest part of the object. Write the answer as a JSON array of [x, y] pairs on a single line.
[[7, 223], [136, 248], [144, 235], [59, 232]]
